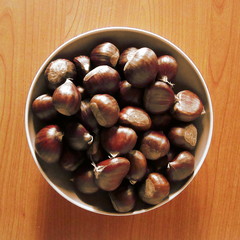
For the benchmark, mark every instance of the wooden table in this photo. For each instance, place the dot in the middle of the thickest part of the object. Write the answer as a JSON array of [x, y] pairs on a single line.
[[207, 31]]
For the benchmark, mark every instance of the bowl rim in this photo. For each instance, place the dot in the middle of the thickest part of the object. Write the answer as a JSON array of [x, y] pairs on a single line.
[[102, 30]]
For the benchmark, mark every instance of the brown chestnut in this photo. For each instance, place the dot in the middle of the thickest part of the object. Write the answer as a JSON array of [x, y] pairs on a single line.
[[135, 118], [129, 95], [84, 179], [141, 69], [70, 160], [48, 143], [58, 71], [102, 79], [86, 116], [138, 166], [167, 68], [83, 65], [118, 140], [123, 198], [67, 99], [77, 136], [105, 109], [154, 145], [154, 189], [43, 107], [158, 98], [183, 136], [105, 54], [188, 106], [125, 56], [181, 167], [110, 173], [95, 151]]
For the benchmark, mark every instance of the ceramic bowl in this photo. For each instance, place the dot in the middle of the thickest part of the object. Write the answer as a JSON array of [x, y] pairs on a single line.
[[188, 77]]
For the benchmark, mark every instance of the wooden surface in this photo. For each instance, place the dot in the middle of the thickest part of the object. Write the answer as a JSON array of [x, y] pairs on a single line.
[[207, 31]]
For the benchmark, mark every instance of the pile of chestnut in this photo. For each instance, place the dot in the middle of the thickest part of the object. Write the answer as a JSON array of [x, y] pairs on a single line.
[[114, 121]]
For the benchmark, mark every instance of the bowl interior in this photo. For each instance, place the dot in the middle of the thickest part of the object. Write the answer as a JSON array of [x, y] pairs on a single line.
[[188, 75]]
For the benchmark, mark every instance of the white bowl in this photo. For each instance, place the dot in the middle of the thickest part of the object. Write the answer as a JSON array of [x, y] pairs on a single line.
[[188, 75]]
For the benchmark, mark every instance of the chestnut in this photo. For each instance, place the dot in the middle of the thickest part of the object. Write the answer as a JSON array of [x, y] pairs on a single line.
[[129, 95], [86, 116], [118, 140], [138, 166], [95, 151], [183, 136], [167, 69], [141, 69], [43, 107], [154, 145], [135, 118], [83, 65], [58, 71], [123, 198], [188, 106], [77, 136], [48, 143], [158, 98], [84, 180], [105, 54], [105, 109], [70, 160], [125, 56], [181, 167], [102, 79], [110, 173], [67, 99], [154, 189]]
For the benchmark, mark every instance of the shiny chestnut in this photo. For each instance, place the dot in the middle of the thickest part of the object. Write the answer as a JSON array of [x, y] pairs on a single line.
[[183, 136], [167, 68], [86, 116], [95, 152], [43, 107], [48, 143], [84, 179], [129, 95], [158, 98], [118, 140], [105, 54], [110, 173], [154, 145], [125, 56], [123, 198], [188, 106], [141, 69], [102, 79], [67, 99], [70, 160], [58, 71], [77, 136], [138, 166], [135, 118], [105, 109], [83, 65], [154, 189], [181, 167]]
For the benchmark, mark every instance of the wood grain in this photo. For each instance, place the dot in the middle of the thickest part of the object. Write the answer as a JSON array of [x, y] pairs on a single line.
[[208, 31]]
